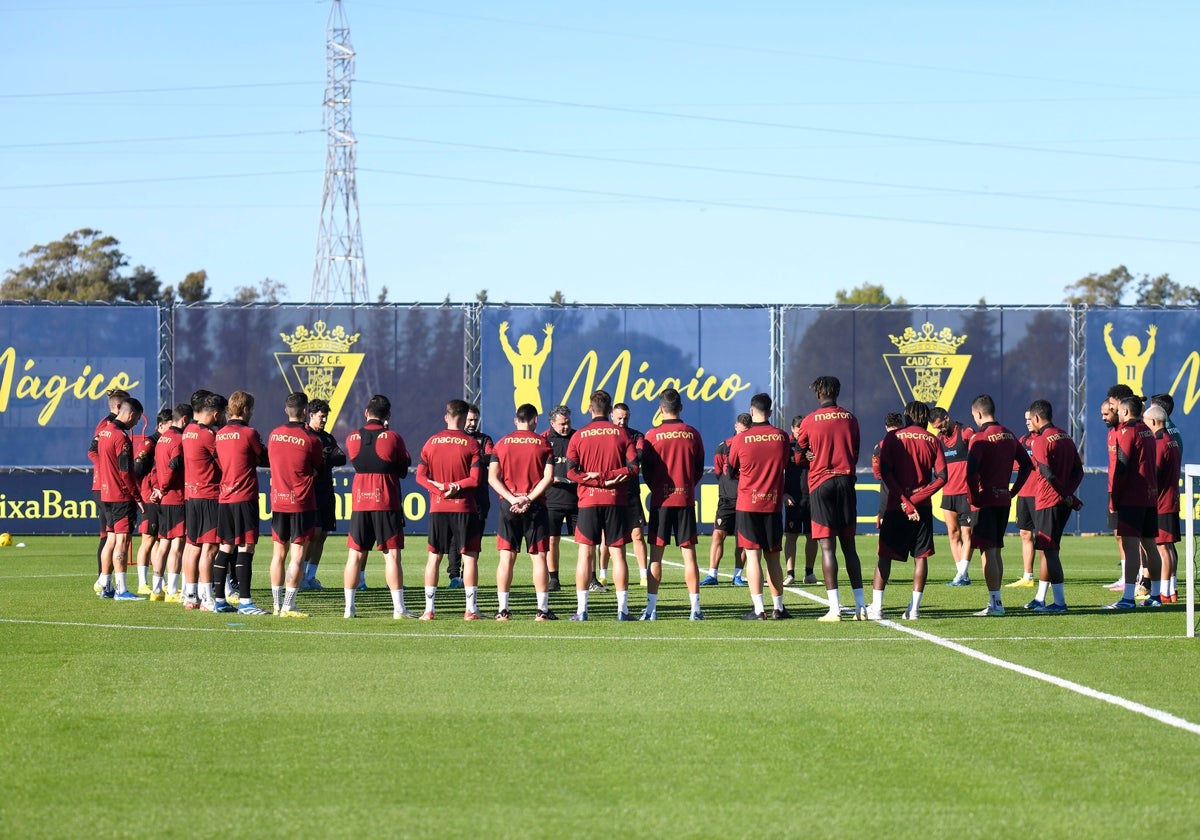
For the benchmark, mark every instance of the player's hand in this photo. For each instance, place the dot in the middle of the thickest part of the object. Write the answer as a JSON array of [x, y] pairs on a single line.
[[788, 501]]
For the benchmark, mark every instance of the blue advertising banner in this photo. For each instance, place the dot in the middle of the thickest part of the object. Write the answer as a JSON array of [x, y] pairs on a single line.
[[716, 357], [890, 356], [1153, 351], [56, 363], [411, 354]]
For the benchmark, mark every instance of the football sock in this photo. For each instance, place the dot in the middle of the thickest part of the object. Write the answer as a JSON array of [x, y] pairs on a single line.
[[349, 593], [994, 597], [1155, 588], [916, 599], [243, 570], [777, 601], [651, 602], [1043, 585], [220, 568], [502, 597], [1027, 576], [277, 595], [99, 550], [310, 571], [1130, 591], [543, 601], [119, 582], [472, 596], [430, 597], [859, 600], [961, 567], [834, 601], [362, 578], [157, 585], [695, 599], [172, 582], [289, 598], [143, 575], [622, 600], [206, 591], [105, 581], [581, 599], [877, 598], [397, 600], [757, 600], [1060, 595], [712, 571]]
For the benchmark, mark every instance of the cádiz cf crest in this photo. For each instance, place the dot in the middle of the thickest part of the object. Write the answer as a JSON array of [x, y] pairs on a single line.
[[928, 367], [320, 364]]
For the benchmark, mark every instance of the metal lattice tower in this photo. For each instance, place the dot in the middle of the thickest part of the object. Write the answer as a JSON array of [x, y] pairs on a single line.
[[340, 274]]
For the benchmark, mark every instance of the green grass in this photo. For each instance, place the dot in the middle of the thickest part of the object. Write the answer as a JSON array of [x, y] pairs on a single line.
[[146, 720]]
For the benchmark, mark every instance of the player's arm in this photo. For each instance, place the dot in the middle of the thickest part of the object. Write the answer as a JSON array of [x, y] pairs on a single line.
[[937, 479], [424, 478], [334, 455], [496, 482], [1024, 468], [542, 486], [474, 477]]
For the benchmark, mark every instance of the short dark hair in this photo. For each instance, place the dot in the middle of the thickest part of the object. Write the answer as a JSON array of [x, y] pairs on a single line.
[[1165, 401], [213, 402], [745, 419], [917, 412], [670, 401], [457, 408], [1134, 404], [295, 405], [937, 414], [762, 401], [318, 406], [198, 398], [893, 420], [623, 406], [1042, 409], [472, 407], [601, 402], [379, 407], [797, 420], [182, 411], [133, 404], [827, 387], [1119, 392], [985, 405], [165, 415], [526, 412]]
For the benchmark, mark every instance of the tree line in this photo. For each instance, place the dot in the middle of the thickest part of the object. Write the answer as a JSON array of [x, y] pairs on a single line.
[[88, 265]]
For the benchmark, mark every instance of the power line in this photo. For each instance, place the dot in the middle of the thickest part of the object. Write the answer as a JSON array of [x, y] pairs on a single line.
[[788, 176], [791, 210], [843, 132], [165, 180], [170, 139], [49, 94]]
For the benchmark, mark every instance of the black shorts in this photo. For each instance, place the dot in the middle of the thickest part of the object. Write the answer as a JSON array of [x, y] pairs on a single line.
[[293, 527], [449, 529], [962, 506], [603, 524], [100, 513], [797, 519], [726, 518], [531, 527], [560, 517], [900, 537], [760, 531], [834, 508], [1025, 521], [1168, 529], [148, 526], [1137, 521], [370, 528], [988, 530], [121, 517], [1048, 526], [635, 517], [170, 521], [326, 510], [237, 523], [200, 521], [665, 521], [1112, 521]]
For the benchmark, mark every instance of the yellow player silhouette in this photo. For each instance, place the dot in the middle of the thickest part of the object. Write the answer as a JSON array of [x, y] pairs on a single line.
[[526, 363], [1130, 361]]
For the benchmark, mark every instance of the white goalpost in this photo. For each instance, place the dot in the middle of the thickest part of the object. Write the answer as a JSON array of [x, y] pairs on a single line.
[[1190, 473]]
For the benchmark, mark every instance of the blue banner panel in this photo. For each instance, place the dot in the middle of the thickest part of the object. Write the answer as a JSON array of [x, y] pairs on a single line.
[[56, 363], [890, 356], [411, 354], [716, 357], [1153, 351]]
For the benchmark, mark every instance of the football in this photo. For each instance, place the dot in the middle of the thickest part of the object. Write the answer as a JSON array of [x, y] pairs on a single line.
[[5, 539]]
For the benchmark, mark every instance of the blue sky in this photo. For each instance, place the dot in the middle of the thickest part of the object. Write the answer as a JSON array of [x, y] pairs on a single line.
[[761, 152]]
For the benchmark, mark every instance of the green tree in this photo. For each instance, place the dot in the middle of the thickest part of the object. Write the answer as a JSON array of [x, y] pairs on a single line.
[[1103, 290], [192, 289], [481, 296], [83, 265], [1163, 291], [558, 298], [383, 293], [268, 291], [868, 293]]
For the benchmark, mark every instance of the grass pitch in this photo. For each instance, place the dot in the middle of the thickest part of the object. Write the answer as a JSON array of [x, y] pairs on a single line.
[[145, 720]]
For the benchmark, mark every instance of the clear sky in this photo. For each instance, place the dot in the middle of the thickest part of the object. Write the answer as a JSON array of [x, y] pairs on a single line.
[[643, 152]]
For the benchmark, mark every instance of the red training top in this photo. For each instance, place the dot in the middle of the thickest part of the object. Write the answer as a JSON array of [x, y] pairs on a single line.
[[296, 452], [606, 449], [673, 461], [240, 452], [831, 434], [380, 460], [760, 455], [450, 456]]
